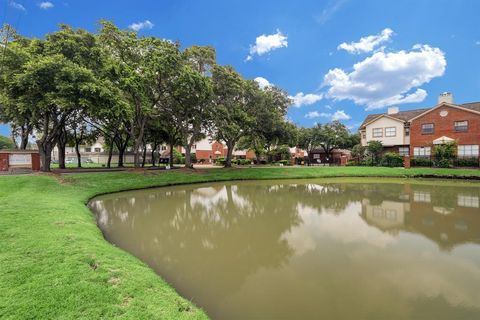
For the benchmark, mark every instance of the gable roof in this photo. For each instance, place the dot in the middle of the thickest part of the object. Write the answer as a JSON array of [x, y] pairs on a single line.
[[402, 115], [410, 114], [475, 106], [469, 107]]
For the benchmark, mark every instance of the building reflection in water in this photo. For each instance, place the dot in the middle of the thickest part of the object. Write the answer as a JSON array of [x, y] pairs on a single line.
[[449, 218]]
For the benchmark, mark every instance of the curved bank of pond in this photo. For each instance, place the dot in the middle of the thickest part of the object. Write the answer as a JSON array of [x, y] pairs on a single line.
[[335, 249]]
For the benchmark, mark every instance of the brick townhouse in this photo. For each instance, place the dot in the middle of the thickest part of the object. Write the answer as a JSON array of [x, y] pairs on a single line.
[[414, 132]]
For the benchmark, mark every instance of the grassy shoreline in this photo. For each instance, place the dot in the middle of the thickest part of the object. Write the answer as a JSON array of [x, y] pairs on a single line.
[[55, 263]]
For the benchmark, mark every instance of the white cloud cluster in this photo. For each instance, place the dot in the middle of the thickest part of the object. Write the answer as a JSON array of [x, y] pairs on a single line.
[[337, 115], [141, 25], [266, 43], [262, 82], [17, 6], [367, 44], [387, 78], [46, 5], [301, 99]]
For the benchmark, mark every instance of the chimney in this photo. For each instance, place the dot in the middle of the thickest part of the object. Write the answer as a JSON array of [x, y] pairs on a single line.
[[392, 110], [445, 97]]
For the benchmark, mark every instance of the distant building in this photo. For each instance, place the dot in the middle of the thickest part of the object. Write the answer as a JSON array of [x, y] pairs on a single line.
[[414, 132]]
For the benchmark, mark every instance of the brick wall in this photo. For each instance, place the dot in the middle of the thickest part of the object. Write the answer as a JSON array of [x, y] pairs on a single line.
[[3, 161], [444, 126]]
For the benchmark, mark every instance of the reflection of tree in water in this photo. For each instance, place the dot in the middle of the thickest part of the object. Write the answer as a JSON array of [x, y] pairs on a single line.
[[187, 234], [209, 242]]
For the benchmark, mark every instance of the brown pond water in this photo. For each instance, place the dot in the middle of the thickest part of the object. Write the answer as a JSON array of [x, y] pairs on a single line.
[[308, 249]]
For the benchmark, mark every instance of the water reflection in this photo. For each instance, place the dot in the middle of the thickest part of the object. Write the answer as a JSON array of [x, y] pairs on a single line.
[[308, 250]]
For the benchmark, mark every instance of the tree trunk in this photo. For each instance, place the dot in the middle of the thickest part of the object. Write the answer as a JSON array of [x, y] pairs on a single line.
[[121, 146], [45, 150], [13, 137], [188, 156], [308, 158], [170, 160], [228, 159], [79, 156], [110, 154], [61, 144], [24, 138], [154, 148], [144, 155]]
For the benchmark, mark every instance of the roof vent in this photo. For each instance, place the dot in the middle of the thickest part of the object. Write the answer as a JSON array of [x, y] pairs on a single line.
[[393, 110], [445, 97]]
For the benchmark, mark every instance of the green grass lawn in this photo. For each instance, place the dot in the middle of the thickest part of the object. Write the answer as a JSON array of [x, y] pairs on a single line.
[[54, 262]]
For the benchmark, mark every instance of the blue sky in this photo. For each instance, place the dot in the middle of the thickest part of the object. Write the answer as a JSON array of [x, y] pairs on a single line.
[[339, 59]]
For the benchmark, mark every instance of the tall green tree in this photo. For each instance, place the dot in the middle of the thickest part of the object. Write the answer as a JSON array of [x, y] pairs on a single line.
[[16, 52], [52, 88], [332, 136], [192, 95], [232, 118], [147, 67], [308, 139]]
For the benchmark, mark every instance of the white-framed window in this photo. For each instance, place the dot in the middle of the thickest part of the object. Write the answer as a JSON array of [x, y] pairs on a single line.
[[390, 132], [88, 149], [461, 126], [404, 151], [316, 156], [428, 128], [468, 150], [377, 132], [422, 151], [407, 132], [98, 150]]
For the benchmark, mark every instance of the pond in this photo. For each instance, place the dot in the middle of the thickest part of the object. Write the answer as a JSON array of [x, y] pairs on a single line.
[[308, 249]]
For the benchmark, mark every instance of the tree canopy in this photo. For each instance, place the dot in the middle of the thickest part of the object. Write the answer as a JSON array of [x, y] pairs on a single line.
[[134, 91]]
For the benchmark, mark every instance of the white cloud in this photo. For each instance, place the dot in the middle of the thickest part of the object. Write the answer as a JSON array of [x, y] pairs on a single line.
[[262, 82], [266, 43], [338, 115], [316, 114], [141, 25], [477, 43], [46, 5], [367, 44], [301, 99], [332, 7], [387, 78], [17, 6]]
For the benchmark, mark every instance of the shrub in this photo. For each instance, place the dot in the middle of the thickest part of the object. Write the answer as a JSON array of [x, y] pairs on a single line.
[[358, 153], [421, 162], [244, 162], [193, 157], [284, 162], [220, 161], [374, 149], [444, 154], [178, 158], [391, 159], [443, 163], [466, 162]]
